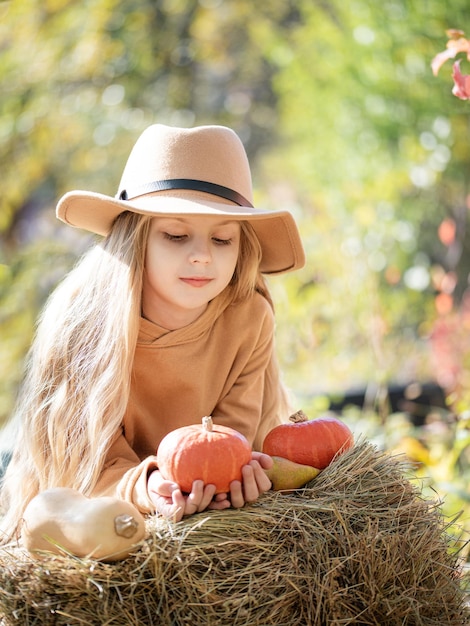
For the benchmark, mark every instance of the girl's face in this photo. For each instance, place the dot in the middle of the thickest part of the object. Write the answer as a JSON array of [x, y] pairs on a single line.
[[189, 261]]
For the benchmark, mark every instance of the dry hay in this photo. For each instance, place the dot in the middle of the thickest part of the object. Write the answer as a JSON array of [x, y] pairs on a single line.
[[358, 546]]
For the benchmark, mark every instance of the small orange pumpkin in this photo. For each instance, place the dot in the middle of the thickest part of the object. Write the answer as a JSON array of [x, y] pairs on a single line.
[[209, 452], [309, 442]]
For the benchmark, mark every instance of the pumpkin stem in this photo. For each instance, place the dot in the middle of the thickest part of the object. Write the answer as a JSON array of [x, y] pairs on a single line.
[[207, 423], [298, 416], [125, 526]]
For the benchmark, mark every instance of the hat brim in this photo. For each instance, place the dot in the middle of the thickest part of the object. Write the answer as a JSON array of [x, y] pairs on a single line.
[[282, 249]]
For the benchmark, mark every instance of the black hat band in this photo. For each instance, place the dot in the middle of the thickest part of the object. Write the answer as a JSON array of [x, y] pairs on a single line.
[[185, 183]]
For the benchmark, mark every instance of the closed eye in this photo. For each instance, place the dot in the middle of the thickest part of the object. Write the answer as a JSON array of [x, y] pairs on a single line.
[[221, 242], [218, 241], [171, 237]]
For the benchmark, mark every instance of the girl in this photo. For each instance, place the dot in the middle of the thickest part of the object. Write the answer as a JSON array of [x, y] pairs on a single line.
[[167, 319]]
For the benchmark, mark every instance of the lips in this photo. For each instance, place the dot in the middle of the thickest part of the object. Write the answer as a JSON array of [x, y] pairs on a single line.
[[196, 282]]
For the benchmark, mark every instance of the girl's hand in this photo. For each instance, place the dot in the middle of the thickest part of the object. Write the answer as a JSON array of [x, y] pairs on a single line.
[[254, 483], [171, 502]]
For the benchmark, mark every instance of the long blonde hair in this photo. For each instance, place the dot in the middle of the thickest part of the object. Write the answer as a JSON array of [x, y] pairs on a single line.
[[76, 386]]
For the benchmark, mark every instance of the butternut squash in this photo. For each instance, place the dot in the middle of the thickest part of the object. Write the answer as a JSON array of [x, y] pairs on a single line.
[[62, 520]]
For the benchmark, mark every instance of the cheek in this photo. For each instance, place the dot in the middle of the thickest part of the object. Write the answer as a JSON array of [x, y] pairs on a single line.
[[232, 258], [157, 258], [155, 267], [226, 268]]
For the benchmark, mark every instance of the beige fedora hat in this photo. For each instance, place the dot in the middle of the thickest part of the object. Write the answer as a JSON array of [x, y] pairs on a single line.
[[198, 171]]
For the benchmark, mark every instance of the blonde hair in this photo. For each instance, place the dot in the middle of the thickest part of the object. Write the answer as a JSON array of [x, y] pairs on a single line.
[[76, 388]]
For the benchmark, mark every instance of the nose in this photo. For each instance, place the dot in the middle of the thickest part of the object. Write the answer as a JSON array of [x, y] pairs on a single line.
[[200, 252]]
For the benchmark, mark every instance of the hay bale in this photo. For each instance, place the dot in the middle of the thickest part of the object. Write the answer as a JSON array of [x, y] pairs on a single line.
[[357, 546]]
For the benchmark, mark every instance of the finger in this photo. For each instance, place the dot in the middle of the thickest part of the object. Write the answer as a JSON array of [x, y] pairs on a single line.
[[170, 508], [177, 507], [262, 481], [158, 485], [236, 494], [264, 460], [207, 497], [250, 486], [219, 497], [219, 502], [219, 505], [194, 498], [200, 497], [165, 488]]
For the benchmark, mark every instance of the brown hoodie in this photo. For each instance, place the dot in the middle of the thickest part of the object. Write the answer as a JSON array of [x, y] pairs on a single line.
[[220, 365]]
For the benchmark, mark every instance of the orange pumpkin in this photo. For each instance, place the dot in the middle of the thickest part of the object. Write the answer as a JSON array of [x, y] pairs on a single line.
[[209, 452], [309, 442]]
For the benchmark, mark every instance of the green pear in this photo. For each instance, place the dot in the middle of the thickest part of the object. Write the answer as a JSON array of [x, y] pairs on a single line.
[[285, 474]]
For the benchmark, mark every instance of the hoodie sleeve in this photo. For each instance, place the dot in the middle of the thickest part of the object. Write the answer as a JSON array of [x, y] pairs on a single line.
[[125, 476]]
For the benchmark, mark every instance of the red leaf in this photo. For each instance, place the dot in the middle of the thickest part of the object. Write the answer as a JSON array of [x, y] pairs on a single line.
[[461, 83]]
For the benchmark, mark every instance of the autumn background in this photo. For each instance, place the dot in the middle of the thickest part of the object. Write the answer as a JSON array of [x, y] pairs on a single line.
[[345, 125]]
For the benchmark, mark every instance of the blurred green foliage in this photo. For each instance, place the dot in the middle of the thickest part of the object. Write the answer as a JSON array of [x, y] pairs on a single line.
[[344, 124]]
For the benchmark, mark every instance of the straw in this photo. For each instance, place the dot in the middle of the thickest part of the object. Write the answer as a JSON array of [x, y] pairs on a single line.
[[358, 545]]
